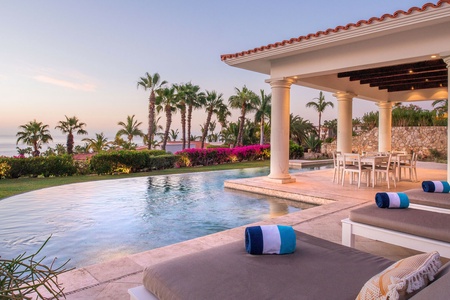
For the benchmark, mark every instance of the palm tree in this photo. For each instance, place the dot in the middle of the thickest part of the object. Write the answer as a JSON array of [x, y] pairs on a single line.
[[320, 106], [34, 134], [300, 128], [156, 132], [211, 102], [130, 129], [166, 100], [69, 126], [440, 107], [153, 83], [245, 100], [182, 92], [188, 94], [99, 144], [81, 149], [222, 114], [331, 125], [263, 111], [194, 138], [173, 135], [230, 133], [193, 101]]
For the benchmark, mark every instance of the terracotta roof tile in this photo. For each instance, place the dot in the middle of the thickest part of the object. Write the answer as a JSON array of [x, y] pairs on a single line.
[[334, 30]]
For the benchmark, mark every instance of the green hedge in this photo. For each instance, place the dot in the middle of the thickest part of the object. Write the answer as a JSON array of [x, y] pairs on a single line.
[[131, 161], [123, 161], [36, 166]]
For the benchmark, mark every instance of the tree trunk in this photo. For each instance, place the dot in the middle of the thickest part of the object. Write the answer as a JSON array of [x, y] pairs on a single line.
[[151, 118], [168, 111], [205, 129], [183, 124], [261, 131], [70, 143], [320, 117], [241, 127], [36, 152], [189, 120]]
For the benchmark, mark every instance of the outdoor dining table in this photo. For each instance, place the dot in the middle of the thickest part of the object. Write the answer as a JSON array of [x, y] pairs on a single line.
[[372, 160]]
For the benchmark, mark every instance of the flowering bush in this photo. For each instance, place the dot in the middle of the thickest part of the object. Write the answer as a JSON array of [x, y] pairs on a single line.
[[4, 169], [211, 156]]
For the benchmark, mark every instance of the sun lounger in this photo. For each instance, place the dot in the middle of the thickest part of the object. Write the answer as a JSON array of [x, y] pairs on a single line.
[[411, 228], [438, 202], [318, 269]]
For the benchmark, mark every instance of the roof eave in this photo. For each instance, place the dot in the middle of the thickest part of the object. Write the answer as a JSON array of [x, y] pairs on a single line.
[[417, 19]]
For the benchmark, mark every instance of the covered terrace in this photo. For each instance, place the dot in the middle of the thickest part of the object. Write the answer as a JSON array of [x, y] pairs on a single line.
[[399, 57]]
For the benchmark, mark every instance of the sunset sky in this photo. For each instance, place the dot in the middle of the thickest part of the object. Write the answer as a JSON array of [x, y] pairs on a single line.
[[85, 57]]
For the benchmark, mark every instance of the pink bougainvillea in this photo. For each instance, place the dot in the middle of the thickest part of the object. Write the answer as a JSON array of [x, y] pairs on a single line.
[[211, 156]]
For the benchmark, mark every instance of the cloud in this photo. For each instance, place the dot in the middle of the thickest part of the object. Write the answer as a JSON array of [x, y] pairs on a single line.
[[87, 87]]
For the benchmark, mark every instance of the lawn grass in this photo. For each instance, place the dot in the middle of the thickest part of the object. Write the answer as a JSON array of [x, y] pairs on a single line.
[[11, 187]]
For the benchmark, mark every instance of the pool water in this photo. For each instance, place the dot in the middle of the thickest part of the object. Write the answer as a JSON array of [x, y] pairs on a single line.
[[97, 221]]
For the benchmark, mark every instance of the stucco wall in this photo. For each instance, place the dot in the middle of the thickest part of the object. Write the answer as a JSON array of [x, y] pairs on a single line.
[[419, 139]]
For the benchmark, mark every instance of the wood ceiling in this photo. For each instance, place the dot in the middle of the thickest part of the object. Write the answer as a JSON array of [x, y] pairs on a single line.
[[412, 76]]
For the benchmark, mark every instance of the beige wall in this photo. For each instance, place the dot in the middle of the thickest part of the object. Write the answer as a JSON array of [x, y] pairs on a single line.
[[418, 139]]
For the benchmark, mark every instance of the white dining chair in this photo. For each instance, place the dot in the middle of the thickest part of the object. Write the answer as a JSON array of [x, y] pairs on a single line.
[[352, 164], [386, 169], [337, 162], [409, 164]]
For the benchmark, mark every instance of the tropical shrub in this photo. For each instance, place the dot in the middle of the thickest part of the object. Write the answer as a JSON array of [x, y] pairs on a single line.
[[82, 166], [124, 161], [4, 169], [295, 150], [313, 142], [23, 276], [211, 156], [36, 166], [58, 166]]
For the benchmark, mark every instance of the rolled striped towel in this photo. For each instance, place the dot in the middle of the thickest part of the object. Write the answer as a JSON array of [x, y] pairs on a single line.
[[270, 239], [436, 186], [392, 200]]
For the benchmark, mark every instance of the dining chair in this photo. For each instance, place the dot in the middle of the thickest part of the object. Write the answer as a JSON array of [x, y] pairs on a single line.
[[410, 165], [337, 162], [386, 168], [352, 164]]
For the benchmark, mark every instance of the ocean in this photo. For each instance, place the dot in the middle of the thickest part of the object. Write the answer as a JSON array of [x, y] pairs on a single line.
[[8, 144]]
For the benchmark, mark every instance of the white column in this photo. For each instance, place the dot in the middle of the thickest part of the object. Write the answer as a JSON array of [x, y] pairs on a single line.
[[384, 126], [279, 131], [447, 61], [344, 121]]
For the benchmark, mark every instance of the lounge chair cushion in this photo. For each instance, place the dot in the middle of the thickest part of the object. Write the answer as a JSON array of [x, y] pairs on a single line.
[[413, 221], [402, 279], [438, 289], [318, 269], [418, 196]]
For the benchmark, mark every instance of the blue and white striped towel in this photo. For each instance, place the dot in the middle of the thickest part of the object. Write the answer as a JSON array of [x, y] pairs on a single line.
[[392, 200], [270, 239], [436, 186]]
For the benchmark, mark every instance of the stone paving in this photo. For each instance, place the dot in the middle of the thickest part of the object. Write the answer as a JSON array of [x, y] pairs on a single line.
[[111, 280]]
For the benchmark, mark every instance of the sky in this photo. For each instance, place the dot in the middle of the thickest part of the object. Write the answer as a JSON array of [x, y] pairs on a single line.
[[84, 58]]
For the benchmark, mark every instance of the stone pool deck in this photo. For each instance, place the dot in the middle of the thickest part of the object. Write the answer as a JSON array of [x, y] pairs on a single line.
[[112, 279]]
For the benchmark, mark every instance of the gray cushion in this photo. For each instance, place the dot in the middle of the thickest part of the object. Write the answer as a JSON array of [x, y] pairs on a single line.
[[418, 196], [422, 223], [439, 288], [318, 269]]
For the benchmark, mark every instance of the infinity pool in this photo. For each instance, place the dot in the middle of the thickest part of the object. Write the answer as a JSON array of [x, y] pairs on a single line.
[[97, 221]]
